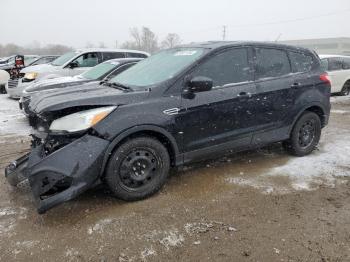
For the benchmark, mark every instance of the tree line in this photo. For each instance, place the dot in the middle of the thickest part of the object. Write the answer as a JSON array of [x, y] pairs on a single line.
[[142, 39]]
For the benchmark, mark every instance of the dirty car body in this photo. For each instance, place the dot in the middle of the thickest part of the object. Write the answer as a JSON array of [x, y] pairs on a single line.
[[189, 106]]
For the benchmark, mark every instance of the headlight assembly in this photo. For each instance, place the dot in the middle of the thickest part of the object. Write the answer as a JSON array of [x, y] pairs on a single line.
[[81, 120], [30, 76]]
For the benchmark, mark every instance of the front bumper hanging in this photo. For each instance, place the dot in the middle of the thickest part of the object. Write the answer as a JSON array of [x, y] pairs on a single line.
[[61, 175]]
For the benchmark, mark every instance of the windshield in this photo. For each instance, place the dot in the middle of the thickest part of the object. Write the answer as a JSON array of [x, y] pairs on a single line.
[[99, 70], [158, 68], [63, 59]]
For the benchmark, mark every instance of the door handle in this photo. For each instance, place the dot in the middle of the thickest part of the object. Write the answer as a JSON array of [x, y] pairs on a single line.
[[244, 95], [295, 85]]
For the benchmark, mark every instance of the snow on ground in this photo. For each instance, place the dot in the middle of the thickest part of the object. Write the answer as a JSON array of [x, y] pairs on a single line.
[[12, 120], [325, 166]]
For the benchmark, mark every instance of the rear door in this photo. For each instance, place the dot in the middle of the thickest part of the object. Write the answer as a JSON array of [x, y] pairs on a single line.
[[336, 73], [275, 93], [220, 118]]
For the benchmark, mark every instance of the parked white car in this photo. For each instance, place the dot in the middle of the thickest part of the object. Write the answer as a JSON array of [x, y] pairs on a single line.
[[338, 68], [4, 77], [69, 64]]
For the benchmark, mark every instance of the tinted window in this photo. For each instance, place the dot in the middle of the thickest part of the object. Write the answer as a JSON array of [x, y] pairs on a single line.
[[301, 62], [324, 64], [335, 64], [226, 68], [271, 63], [346, 63], [137, 55], [112, 55], [87, 60]]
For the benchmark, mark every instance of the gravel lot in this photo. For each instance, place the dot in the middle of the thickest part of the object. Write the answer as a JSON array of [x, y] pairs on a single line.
[[260, 205]]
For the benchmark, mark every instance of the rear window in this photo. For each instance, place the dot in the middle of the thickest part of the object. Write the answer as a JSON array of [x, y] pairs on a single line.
[[301, 62], [271, 63]]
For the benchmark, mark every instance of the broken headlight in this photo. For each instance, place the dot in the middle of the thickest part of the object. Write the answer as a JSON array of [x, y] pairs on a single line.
[[81, 120]]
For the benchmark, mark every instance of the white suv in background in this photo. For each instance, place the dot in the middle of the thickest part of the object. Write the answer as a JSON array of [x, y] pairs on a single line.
[[338, 68], [69, 64]]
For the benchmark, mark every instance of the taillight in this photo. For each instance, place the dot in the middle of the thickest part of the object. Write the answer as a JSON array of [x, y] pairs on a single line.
[[325, 78]]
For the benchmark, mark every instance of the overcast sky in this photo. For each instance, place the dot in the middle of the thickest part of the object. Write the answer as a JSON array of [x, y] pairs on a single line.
[[76, 22]]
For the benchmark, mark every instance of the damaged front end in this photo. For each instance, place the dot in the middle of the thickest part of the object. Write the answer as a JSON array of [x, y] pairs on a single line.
[[59, 167]]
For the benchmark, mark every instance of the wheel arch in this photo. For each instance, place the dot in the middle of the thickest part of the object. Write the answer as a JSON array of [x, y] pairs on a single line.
[[144, 130], [315, 108]]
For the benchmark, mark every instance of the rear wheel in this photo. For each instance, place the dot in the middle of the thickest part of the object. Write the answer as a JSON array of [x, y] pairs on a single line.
[[305, 135], [346, 89], [138, 168]]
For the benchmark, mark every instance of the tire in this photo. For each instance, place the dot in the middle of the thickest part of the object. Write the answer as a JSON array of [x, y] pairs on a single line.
[[137, 169], [2, 89], [305, 135], [345, 90]]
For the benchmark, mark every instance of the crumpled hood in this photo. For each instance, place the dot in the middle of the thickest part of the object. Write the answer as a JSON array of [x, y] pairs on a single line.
[[86, 95], [58, 82]]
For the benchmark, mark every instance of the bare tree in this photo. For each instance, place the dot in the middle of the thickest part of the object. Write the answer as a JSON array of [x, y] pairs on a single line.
[[143, 39], [171, 40], [101, 45]]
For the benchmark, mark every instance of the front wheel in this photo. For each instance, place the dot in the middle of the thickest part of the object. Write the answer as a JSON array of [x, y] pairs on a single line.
[[305, 135], [137, 169]]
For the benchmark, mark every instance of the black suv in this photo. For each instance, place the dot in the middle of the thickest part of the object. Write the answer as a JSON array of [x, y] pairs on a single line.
[[181, 105]]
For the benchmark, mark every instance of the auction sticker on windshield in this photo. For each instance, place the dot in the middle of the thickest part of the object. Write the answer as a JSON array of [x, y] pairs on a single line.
[[185, 53]]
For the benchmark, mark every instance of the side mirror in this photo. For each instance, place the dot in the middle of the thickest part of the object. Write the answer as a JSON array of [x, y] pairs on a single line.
[[200, 84], [73, 64]]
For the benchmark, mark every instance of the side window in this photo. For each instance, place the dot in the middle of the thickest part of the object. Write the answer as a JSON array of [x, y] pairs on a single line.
[[346, 63], [112, 55], [136, 55], [225, 68], [120, 69], [335, 64], [87, 60], [324, 64], [271, 63], [301, 62]]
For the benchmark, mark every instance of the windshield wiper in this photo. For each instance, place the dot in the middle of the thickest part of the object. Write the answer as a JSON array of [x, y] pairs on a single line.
[[118, 86]]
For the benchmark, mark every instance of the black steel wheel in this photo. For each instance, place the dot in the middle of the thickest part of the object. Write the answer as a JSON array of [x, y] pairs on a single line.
[[305, 135], [138, 168], [345, 90]]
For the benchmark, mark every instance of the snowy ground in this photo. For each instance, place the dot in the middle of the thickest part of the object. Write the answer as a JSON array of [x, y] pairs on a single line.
[[12, 120], [262, 205]]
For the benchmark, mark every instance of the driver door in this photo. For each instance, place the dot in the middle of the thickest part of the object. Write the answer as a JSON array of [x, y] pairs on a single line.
[[221, 118]]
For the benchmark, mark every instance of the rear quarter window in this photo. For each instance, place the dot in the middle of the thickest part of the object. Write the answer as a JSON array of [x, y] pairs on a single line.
[[301, 62], [346, 63]]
